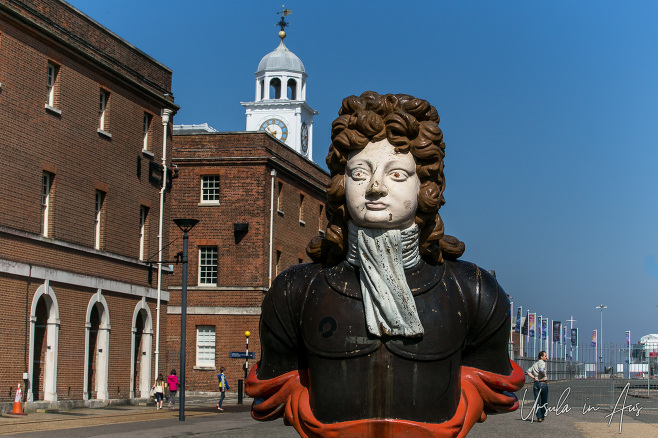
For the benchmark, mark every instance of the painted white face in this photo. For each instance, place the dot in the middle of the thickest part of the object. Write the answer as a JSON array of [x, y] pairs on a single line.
[[381, 187]]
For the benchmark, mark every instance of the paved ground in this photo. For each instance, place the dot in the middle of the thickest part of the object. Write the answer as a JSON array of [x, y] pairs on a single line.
[[203, 420]]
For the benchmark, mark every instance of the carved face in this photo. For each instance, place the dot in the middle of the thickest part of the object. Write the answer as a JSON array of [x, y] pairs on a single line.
[[381, 187]]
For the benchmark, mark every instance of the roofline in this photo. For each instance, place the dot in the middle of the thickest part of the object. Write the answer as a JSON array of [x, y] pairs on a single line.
[[96, 23], [253, 133]]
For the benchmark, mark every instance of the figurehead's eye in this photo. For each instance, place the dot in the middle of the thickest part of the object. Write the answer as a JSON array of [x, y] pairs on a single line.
[[359, 174], [398, 175]]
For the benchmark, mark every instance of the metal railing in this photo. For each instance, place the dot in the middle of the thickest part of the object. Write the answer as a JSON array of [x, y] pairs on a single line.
[[585, 376]]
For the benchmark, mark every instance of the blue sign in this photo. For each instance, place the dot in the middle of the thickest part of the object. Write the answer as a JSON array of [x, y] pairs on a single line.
[[240, 355]]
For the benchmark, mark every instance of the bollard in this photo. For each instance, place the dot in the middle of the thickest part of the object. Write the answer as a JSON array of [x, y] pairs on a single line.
[[240, 387]]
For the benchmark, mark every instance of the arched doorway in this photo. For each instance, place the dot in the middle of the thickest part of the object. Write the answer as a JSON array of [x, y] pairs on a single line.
[[44, 342], [142, 334], [97, 343]]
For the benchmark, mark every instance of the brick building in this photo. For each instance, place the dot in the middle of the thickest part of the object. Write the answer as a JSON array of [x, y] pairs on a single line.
[[83, 123], [259, 203]]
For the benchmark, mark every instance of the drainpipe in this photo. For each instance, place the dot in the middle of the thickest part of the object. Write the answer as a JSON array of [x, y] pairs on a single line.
[[165, 122], [273, 175]]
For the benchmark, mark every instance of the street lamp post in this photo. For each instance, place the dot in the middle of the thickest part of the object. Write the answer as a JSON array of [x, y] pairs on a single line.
[[185, 225], [600, 337]]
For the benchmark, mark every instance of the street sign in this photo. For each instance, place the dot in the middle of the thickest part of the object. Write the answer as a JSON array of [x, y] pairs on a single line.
[[240, 355]]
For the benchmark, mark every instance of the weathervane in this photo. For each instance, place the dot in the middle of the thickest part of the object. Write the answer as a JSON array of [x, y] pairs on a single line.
[[283, 24]]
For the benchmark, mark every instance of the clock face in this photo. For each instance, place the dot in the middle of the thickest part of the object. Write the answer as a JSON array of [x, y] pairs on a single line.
[[304, 137], [276, 128]]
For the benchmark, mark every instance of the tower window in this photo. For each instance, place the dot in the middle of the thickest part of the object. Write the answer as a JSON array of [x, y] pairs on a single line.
[[262, 89], [275, 88], [292, 89]]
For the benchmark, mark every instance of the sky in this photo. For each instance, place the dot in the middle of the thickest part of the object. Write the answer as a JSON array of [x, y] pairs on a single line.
[[549, 112]]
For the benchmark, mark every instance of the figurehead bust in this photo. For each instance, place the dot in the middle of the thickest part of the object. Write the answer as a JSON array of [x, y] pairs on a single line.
[[386, 332]]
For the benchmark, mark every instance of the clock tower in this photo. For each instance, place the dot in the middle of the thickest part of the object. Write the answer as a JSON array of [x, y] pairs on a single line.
[[280, 106]]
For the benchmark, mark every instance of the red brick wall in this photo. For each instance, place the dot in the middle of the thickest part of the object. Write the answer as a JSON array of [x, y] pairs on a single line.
[[68, 145], [243, 162], [86, 35]]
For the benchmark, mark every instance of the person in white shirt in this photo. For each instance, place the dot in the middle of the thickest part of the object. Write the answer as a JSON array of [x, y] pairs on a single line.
[[540, 388]]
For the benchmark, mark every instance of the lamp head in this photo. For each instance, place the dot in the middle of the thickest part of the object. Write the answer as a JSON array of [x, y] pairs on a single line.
[[186, 225]]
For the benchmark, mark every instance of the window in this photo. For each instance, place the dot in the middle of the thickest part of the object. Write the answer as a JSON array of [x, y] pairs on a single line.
[[210, 189], [143, 214], [292, 89], [320, 215], [301, 209], [98, 218], [278, 260], [51, 83], [145, 131], [208, 265], [279, 204], [46, 184], [205, 346], [275, 88], [102, 110]]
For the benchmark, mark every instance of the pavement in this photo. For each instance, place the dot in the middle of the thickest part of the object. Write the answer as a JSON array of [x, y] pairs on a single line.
[[203, 420]]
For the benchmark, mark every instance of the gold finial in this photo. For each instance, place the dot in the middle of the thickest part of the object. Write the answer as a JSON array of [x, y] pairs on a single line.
[[282, 23]]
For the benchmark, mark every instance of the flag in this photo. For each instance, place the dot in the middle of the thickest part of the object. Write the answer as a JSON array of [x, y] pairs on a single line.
[[531, 326], [524, 327], [544, 328], [628, 338], [517, 326], [594, 338], [574, 337], [564, 335], [556, 331]]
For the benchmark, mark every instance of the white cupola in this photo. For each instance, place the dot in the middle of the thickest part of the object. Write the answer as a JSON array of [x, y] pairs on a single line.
[[280, 106]]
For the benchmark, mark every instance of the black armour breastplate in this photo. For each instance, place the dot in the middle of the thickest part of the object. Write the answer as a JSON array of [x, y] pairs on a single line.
[[334, 321]]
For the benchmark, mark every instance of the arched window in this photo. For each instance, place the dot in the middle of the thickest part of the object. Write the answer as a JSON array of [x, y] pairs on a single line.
[[275, 88], [262, 89], [292, 89]]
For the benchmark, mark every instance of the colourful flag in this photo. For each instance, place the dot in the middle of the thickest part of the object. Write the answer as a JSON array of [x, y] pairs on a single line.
[[524, 327], [594, 338], [628, 338], [564, 335], [517, 326], [556, 331], [574, 337], [544, 328], [531, 326]]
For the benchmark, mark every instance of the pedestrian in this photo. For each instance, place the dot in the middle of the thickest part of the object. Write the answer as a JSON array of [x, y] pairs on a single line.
[[223, 386], [540, 388], [173, 383], [158, 389]]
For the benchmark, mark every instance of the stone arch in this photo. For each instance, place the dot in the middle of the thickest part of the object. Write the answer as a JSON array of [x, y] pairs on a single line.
[[275, 88], [97, 346], [141, 341], [292, 89], [44, 345]]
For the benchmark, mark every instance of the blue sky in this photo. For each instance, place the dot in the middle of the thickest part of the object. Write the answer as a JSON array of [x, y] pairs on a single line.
[[549, 112]]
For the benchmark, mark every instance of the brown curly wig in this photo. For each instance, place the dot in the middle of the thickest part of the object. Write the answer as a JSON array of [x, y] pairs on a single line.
[[410, 125]]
